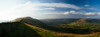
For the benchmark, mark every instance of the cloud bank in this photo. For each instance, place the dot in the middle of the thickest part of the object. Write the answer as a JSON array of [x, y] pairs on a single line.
[[34, 9]]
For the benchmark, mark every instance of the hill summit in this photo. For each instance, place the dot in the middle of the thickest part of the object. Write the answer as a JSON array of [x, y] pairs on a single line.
[[80, 21], [20, 19], [30, 21]]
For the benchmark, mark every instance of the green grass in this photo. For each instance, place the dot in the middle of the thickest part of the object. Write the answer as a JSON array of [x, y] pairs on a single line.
[[44, 33], [26, 30], [17, 31], [21, 30]]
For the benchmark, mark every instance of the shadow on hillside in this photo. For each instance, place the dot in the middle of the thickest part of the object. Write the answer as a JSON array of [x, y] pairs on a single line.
[[62, 30], [40, 24], [68, 30], [29, 32], [16, 30]]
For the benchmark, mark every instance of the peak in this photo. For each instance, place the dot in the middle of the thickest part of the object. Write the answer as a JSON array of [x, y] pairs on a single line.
[[19, 19], [26, 17], [80, 21]]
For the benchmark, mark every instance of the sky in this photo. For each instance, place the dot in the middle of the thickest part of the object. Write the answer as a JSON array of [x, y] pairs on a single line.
[[49, 9]]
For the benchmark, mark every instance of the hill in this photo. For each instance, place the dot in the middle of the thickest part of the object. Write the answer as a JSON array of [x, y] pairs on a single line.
[[67, 21], [29, 27], [58, 21], [92, 24], [38, 23]]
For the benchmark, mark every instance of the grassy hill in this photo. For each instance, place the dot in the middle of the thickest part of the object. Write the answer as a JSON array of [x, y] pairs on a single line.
[[16, 29], [89, 24], [66, 21], [29, 27], [58, 21]]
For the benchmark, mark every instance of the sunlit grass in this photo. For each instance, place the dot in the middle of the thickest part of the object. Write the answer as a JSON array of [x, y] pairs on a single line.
[[46, 33]]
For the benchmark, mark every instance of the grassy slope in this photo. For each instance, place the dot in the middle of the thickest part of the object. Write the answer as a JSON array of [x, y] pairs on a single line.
[[43, 32], [22, 30], [27, 30], [46, 33]]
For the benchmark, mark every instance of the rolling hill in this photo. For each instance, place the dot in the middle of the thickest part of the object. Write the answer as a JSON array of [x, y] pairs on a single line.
[[58, 21], [67, 21], [29, 27]]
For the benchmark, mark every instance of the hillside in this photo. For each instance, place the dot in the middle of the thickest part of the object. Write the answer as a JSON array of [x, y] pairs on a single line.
[[16, 29], [29, 27], [91, 24], [81, 21], [38, 23], [67, 21], [58, 21]]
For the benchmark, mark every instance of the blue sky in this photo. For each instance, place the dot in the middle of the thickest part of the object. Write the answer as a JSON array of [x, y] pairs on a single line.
[[49, 9]]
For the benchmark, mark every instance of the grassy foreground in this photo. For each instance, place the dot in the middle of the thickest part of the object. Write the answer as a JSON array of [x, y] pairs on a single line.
[[47, 33], [27, 30]]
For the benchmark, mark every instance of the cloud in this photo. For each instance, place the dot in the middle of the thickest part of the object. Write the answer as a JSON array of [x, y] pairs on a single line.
[[49, 8], [74, 14], [59, 5], [53, 13], [90, 13], [92, 9], [66, 13], [56, 13], [34, 9], [63, 13], [86, 5], [98, 13]]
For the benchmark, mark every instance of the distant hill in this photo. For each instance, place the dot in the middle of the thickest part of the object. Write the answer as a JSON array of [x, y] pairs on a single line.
[[80, 21], [68, 21], [58, 21], [92, 24]]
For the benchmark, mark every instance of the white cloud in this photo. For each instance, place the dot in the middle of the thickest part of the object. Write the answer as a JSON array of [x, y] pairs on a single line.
[[66, 13], [90, 13], [30, 9], [86, 5], [74, 12], [92, 9], [56, 13], [20, 10], [59, 5], [49, 8], [98, 13], [53, 13]]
